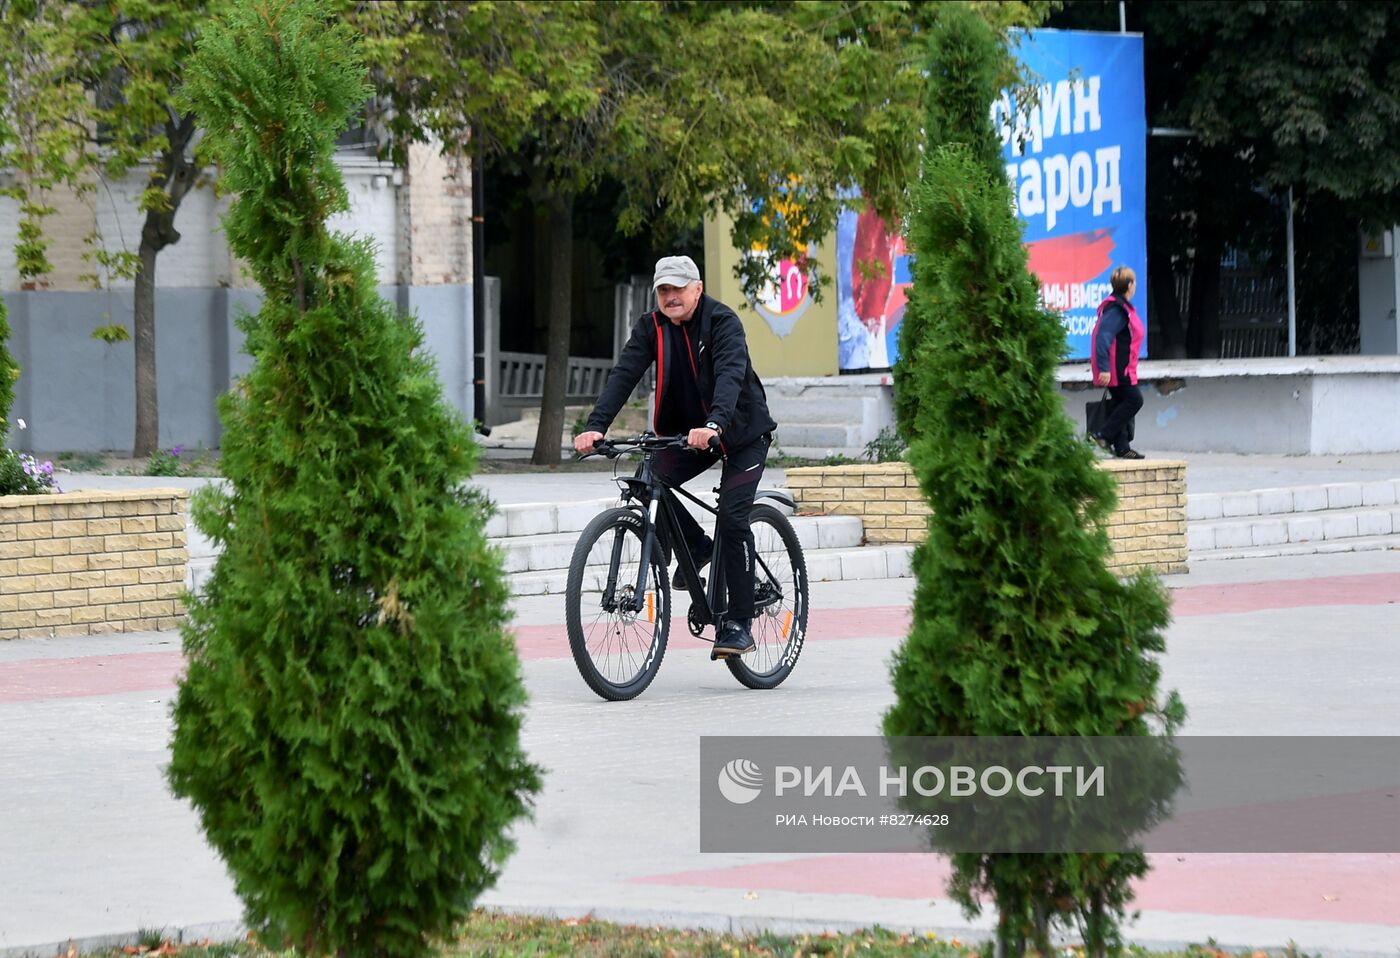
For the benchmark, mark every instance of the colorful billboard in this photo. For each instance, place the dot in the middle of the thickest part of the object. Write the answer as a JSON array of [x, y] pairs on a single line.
[[1076, 164], [872, 275]]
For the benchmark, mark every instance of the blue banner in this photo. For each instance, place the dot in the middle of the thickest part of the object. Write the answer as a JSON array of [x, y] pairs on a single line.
[[1077, 164]]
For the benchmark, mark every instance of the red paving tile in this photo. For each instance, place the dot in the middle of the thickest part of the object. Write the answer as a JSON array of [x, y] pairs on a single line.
[[1341, 888], [151, 671], [89, 675]]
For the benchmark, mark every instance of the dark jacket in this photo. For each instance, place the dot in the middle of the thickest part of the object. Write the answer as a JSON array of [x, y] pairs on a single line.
[[718, 358]]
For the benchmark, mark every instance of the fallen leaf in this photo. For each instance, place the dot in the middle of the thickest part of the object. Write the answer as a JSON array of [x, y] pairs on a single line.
[[1330, 898], [750, 896]]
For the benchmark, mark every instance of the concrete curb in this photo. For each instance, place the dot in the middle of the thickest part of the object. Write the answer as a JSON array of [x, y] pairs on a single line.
[[216, 932]]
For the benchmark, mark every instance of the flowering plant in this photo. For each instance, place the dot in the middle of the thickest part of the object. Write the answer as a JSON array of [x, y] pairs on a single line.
[[23, 475]]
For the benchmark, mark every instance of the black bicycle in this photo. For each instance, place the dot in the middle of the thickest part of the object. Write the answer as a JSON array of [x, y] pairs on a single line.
[[618, 597]]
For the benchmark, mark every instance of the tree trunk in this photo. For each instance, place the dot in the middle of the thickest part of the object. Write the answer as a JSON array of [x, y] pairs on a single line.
[[176, 176], [1162, 281], [144, 320], [556, 363]]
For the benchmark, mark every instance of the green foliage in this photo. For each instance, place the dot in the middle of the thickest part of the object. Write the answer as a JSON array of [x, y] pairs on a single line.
[[1019, 627], [815, 97], [9, 370], [968, 67], [83, 461], [23, 475], [887, 446], [166, 463], [349, 725], [91, 90], [1305, 95], [110, 333], [1314, 94]]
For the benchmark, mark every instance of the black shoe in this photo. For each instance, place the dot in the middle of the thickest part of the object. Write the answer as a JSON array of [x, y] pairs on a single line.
[[735, 640], [1101, 442], [706, 554], [1129, 454]]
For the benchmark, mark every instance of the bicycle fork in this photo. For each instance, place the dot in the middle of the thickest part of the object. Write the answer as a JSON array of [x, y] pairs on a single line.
[[609, 602]]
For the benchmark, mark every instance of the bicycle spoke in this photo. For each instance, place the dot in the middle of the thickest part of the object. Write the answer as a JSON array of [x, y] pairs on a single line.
[[616, 645], [779, 602]]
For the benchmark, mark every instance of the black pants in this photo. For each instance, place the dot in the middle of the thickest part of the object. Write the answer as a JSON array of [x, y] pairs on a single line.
[[1126, 400], [737, 485]]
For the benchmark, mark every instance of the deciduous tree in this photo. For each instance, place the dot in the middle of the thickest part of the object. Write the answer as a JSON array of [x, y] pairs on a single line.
[[771, 113], [1276, 95], [98, 100]]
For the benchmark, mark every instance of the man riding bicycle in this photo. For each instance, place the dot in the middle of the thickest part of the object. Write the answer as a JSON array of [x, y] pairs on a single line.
[[705, 387]]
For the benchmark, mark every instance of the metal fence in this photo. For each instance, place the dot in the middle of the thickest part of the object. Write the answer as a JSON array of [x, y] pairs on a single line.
[[514, 382]]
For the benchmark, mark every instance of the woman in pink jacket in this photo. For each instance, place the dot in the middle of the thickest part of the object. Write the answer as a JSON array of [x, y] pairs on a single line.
[[1117, 342]]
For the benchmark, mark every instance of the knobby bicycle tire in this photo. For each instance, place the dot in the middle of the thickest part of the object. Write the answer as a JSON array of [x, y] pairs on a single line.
[[780, 620], [614, 653]]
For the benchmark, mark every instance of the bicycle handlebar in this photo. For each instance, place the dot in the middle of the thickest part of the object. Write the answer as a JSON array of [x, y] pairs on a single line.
[[612, 448]]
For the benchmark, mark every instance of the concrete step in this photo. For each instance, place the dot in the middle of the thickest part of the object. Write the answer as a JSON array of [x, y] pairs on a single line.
[[1323, 547], [1294, 499], [802, 409], [1290, 528], [822, 434], [819, 453], [539, 518], [823, 565], [547, 552]]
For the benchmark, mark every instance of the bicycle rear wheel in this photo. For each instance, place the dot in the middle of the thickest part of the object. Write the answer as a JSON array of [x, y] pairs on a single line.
[[779, 602], [617, 648]]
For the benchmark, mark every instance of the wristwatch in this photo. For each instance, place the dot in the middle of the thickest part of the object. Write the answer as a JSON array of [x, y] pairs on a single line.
[[713, 425]]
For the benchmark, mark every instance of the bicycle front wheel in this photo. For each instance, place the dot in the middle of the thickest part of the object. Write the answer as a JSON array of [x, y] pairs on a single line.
[[779, 602], [617, 635]]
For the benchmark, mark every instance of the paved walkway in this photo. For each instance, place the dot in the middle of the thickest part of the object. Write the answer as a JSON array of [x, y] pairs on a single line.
[[1205, 472], [93, 846]]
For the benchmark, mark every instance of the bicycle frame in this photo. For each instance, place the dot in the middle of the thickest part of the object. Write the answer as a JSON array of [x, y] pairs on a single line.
[[657, 499]]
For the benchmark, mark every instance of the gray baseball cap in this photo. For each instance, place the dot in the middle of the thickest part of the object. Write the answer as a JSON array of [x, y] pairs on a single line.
[[675, 271]]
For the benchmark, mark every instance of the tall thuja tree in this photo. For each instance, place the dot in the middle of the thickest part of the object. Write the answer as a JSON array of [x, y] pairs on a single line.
[[1019, 628], [967, 69], [349, 726]]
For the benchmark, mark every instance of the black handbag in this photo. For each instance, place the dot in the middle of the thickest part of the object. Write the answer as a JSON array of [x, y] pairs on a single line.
[[1096, 414]]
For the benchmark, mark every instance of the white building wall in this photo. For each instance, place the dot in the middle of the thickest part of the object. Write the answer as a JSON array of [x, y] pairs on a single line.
[[77, 391]]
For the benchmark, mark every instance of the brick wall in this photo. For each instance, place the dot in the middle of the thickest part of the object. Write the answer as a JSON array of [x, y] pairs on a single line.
[[1147, 530], [84, 563], [435, 219], [202, 260]]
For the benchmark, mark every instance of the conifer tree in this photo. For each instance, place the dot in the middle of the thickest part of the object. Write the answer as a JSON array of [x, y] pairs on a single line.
[[1019, 628], [967, 68], [349, 725]]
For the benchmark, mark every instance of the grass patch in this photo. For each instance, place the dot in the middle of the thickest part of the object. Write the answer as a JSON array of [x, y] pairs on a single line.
[[81, 461], [494, 935], [490, 934]]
